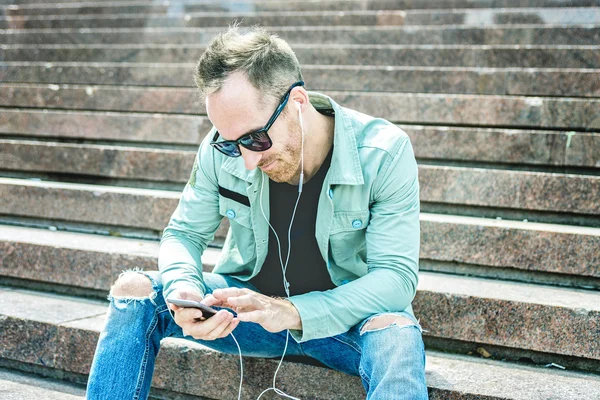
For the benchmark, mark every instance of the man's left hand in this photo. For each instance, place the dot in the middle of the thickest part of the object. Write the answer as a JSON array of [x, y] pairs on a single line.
[[275, 315]]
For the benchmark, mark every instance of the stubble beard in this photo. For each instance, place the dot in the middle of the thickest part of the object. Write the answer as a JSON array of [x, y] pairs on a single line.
[[288, 165]]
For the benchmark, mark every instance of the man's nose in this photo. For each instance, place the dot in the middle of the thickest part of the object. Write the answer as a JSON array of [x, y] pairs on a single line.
[[251, 158]]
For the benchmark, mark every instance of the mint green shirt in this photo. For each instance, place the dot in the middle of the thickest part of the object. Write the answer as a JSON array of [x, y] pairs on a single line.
[[367, 225]]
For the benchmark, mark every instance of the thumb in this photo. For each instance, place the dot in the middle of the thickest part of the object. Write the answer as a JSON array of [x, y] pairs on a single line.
[[173, 306]]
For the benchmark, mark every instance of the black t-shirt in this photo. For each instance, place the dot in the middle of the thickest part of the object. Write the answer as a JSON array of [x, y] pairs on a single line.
[[306, 270]]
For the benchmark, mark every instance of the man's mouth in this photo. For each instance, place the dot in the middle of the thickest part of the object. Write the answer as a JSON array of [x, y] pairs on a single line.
[[269, 165]]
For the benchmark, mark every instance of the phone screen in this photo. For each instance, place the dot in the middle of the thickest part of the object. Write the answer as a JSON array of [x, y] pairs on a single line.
[[207, 311]]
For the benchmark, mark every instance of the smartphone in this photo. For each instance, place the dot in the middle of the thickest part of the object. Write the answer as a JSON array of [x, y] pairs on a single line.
[[207, 311]]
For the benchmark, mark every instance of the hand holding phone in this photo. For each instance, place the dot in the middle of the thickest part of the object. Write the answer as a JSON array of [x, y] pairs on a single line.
[[207, 311], [198, 320]]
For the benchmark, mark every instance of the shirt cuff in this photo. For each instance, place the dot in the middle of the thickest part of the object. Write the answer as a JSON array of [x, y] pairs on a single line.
[[181, 285], [312, 315]]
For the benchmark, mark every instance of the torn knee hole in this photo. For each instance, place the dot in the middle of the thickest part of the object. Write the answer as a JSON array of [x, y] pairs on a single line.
[[133, 285], [384, 321]]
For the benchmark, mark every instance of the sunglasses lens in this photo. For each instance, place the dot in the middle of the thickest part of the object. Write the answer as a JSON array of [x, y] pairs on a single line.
[[228, 148], [258, 141]]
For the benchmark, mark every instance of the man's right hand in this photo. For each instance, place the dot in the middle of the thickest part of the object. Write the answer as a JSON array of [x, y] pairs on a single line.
[[193, 323]]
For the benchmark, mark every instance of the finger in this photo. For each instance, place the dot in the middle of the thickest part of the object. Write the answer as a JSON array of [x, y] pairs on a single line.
[[256, 316], [245, 301], [211, 300], [219, 330], [199, 329], [189, 314], [232, 325], [204, 328], [223, 294], [201, 332], [172, 306]]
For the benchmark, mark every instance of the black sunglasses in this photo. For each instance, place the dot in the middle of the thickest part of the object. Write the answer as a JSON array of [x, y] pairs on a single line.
[[256, 141]]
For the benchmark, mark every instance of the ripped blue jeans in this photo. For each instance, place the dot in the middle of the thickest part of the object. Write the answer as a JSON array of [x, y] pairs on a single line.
[[387, 353]]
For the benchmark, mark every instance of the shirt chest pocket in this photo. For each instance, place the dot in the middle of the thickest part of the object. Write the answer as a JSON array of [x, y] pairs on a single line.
[[237, 213], [241, 235], [347, 235]]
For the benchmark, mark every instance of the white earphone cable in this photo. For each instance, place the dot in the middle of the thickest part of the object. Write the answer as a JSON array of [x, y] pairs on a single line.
[[286, 284]]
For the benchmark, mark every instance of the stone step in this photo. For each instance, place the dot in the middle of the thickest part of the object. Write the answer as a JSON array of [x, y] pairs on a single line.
[[505, 146], [117, 209], [106, 126], [528, 191], [148, 164], [524, 193], [510, 315], [97, 160], [440, 144], [369, 4], [475, 56], [77, 262], [471, 17], [439, 184], [95, 204], [452, 80], [579, 35], [142, 7], [17, 385], [513, 250], [431, 109], [62, 330]]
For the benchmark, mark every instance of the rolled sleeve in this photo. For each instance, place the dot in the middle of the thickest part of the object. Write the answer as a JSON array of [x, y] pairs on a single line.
[[191, 227]]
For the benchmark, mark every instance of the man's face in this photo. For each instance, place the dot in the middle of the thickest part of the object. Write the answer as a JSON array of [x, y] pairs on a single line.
[[235, 110]]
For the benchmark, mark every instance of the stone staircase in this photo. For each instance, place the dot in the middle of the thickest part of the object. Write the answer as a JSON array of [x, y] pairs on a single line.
[[99, 126]]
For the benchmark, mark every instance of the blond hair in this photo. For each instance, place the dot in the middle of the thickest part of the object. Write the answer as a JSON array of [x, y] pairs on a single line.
[[268, 61]]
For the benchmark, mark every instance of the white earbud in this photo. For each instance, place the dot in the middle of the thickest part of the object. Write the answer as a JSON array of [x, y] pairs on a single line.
[[298, 105]]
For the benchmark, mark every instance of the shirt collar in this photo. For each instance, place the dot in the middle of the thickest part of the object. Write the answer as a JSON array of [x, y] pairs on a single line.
[[345, 164]]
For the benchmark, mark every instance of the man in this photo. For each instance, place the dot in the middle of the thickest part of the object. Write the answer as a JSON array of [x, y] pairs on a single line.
[[323, 206]]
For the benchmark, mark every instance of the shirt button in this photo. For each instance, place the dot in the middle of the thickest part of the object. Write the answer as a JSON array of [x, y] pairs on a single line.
[[357, 223], [230, 214], [330, 193]]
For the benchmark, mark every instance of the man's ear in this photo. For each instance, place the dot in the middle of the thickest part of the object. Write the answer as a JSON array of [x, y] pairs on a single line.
[[299, 95]]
